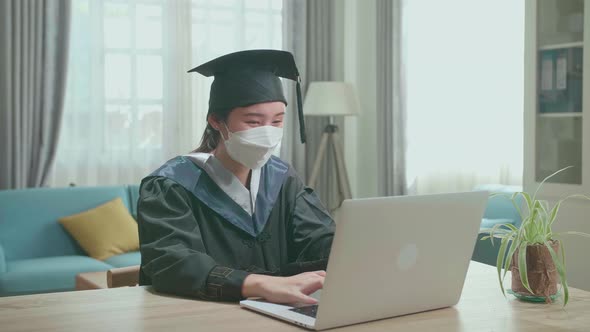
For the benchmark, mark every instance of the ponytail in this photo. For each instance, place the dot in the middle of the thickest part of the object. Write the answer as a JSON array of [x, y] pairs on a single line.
[[211, 137], [209, 141]]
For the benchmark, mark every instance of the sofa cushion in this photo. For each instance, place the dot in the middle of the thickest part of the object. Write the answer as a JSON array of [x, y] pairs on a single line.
[[105, 230], [501, 206], [2, 260], [499, 209], [29, 226], [123, 260], [487, 223], [133, 199], [47, 274]]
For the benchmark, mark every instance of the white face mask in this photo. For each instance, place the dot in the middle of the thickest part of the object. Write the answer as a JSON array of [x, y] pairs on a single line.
[[253, 147]]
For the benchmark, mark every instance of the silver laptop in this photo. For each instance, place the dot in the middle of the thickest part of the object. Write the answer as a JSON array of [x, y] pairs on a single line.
[[391, 256]]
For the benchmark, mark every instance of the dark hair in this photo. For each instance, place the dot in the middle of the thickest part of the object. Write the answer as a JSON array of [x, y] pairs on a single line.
[[211, 137]]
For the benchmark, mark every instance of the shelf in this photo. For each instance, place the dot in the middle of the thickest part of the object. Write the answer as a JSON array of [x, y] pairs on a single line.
[[561, 115], [560, 46]]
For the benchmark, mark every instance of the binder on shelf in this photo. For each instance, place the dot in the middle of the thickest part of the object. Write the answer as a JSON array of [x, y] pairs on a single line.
[[560, 79]]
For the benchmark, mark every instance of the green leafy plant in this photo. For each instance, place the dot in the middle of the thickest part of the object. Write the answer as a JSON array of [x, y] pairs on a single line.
[[536, 229]]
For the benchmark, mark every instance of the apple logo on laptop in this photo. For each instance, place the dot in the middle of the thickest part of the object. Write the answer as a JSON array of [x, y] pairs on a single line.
[[407, 257]]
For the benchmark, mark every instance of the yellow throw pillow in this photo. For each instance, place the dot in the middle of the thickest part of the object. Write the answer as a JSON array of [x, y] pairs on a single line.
[[104, 231]]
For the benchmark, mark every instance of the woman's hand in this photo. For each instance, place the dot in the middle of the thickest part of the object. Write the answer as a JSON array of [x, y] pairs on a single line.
[[295, 289]]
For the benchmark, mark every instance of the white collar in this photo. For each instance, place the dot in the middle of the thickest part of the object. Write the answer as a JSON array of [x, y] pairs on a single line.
[[227, 181]]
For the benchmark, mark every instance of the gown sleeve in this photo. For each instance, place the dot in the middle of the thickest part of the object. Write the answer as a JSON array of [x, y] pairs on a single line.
[[312, 231], [173, 253]]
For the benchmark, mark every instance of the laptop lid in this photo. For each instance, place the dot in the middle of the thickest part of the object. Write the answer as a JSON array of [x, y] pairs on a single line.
[[398, 255]]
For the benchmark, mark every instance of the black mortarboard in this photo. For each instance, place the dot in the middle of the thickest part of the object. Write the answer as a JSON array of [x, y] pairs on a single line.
[[251, 77]]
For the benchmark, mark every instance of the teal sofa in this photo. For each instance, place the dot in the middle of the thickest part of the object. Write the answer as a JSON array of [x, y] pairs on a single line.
[[37, 255], [499, 210]]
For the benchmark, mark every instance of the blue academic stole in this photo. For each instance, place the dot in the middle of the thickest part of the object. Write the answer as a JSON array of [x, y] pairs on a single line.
[[196, 181]]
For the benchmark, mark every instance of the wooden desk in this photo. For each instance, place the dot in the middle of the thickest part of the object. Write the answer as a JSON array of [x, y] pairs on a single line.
[[91, 280], [482, 308]]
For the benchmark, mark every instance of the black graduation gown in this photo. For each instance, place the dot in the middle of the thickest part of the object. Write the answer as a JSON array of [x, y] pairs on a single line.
[[196, 241]]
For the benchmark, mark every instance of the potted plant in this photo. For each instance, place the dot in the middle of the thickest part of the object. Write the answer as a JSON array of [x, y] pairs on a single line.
[[533, 252]]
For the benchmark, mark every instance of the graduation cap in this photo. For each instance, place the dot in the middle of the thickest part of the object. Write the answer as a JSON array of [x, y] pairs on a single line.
[[251, 77]]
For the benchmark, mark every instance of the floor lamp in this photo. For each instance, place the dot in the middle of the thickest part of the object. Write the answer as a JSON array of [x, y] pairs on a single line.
[[331, 99]]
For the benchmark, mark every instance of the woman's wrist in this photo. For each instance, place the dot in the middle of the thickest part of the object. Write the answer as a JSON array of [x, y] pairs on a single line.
[[253, 285]]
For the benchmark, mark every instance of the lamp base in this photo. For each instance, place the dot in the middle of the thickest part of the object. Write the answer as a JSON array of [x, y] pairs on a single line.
[[331, 142]]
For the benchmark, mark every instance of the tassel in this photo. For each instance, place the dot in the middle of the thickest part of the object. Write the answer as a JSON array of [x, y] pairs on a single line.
[[300, 111]]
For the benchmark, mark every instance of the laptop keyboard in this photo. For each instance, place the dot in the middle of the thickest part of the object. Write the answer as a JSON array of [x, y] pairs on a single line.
[[310, 310]]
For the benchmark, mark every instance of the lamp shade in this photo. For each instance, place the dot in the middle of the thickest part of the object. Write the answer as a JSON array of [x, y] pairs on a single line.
[[330, 99]]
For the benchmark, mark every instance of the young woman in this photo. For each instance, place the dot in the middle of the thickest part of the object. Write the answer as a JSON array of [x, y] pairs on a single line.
[[230, 220]]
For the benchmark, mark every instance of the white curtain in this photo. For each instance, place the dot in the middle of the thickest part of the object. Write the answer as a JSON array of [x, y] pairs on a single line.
[[130, 103], [391, 112], [295, 41], [464, 93]]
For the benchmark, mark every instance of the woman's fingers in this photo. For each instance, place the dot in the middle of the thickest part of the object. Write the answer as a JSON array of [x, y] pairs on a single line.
[[312, 285], [295, 289], [302, 298], [320, 273]]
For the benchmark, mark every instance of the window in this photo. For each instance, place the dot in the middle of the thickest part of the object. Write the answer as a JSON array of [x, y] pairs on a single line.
[[465, 91], [130, 104]]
